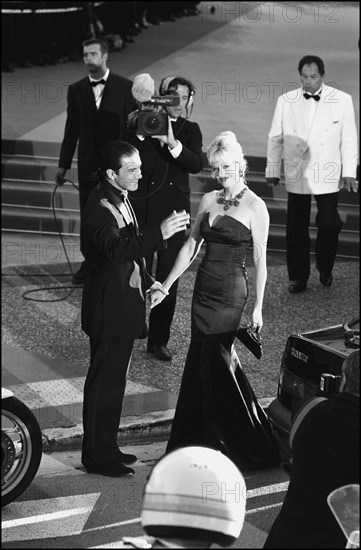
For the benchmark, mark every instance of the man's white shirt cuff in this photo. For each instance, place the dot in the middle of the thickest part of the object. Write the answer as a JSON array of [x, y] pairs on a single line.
[[176, 151]]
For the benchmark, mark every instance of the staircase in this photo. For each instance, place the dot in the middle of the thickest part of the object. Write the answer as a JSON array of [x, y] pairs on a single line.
[[29, 202]]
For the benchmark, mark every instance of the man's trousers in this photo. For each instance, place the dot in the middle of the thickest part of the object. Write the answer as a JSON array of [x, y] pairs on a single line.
[[103, 397], [328, 223], [161, 316]]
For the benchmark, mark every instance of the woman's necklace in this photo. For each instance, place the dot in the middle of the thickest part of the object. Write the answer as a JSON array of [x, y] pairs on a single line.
[[230, 202]]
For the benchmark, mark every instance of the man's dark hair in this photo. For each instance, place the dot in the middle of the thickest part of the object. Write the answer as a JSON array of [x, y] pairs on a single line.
[[177, 81], [103, 45], [351, 370], [114, 153], [307, 59]]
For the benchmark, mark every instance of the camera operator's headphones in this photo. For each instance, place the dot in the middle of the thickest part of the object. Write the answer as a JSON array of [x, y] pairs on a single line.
[[164, 89]]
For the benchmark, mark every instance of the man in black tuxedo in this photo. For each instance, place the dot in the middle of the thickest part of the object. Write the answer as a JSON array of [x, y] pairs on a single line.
[[167, 161], [326, 456], [98, 106], [113, 303]]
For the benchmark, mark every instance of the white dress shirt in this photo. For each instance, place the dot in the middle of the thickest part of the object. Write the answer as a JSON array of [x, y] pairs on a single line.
[[309, 108], [99, 89]]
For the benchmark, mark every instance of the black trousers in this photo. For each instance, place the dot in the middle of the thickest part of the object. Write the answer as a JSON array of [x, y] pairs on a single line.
[[103, 397], [161, 316], [328, 223]]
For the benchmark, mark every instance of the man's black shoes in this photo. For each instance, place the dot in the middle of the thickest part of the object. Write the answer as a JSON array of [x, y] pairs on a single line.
[[161, 352], [326, 278], [112, 469], [127, 458], [297, 286]]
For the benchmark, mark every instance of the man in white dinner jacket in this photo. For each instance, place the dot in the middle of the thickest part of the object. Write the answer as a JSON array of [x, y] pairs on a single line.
[[314, 131]]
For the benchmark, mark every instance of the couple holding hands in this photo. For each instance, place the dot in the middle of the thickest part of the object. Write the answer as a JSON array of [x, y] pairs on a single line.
[[114, 308]]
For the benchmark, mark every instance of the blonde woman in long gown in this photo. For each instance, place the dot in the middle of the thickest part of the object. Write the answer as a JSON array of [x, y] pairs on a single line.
[[216, 404]]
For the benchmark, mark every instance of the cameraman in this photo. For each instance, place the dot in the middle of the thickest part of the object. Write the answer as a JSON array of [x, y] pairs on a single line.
[[167, 161]]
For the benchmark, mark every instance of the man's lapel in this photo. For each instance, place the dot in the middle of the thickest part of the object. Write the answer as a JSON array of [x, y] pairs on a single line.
[[107, 92], [89, 95], [297, 109], [323, 112], [177, 125]]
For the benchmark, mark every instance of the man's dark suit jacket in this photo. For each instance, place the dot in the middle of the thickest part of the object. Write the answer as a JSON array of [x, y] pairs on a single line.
[[326, 455], [94, 128], [113, 305], [164, 186]]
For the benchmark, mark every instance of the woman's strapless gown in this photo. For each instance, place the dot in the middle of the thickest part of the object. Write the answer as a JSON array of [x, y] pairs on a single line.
[[216, 405]]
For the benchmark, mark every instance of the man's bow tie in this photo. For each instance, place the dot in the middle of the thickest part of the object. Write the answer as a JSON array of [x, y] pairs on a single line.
[[315, 97], [96, 82]]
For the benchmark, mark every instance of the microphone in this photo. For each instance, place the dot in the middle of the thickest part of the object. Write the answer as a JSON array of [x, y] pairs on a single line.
[[143, 88]]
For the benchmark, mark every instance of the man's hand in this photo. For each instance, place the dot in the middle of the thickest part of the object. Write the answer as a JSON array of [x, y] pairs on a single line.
[[169, 138], [350, 184], [132, 120], [158, 286], [60, 176], [272, 182], [176, 222], [156, 293], [156, 297]]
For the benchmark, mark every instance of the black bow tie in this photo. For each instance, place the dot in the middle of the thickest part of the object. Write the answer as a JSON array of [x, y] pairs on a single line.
[[315, 97], [96, 82]]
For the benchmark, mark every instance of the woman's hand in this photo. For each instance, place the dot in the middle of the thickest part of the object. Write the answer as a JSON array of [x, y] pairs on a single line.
[[156, 294], [257, 320]]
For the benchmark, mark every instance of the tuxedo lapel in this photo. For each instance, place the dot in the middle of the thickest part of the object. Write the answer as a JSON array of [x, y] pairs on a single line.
[[117, 202], [111, 92], [88, 95], [124, 211], [297, 109], [107, 91], [177, 126], [323, 112]]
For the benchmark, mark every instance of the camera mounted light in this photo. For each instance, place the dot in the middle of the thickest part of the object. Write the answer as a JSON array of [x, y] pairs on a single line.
[[171, 100]]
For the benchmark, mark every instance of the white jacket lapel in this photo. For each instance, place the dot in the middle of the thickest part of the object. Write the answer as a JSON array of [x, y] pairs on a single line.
[[323, 112], [299, 114]]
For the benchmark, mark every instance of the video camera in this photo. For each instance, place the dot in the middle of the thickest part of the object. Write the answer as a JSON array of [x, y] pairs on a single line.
[[152, 119]]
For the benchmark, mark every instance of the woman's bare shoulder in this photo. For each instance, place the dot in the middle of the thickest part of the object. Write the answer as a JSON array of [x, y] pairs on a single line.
[[255, 201], [209, 198], [257, 205]]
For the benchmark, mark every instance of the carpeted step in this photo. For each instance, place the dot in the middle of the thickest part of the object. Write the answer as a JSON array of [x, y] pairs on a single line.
[[28, 187]]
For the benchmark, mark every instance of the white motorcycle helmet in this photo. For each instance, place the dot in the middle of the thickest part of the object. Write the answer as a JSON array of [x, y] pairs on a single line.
[[195, 493]]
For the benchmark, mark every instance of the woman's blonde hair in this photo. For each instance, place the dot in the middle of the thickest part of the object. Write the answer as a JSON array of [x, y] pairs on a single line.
[[226, 143]]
